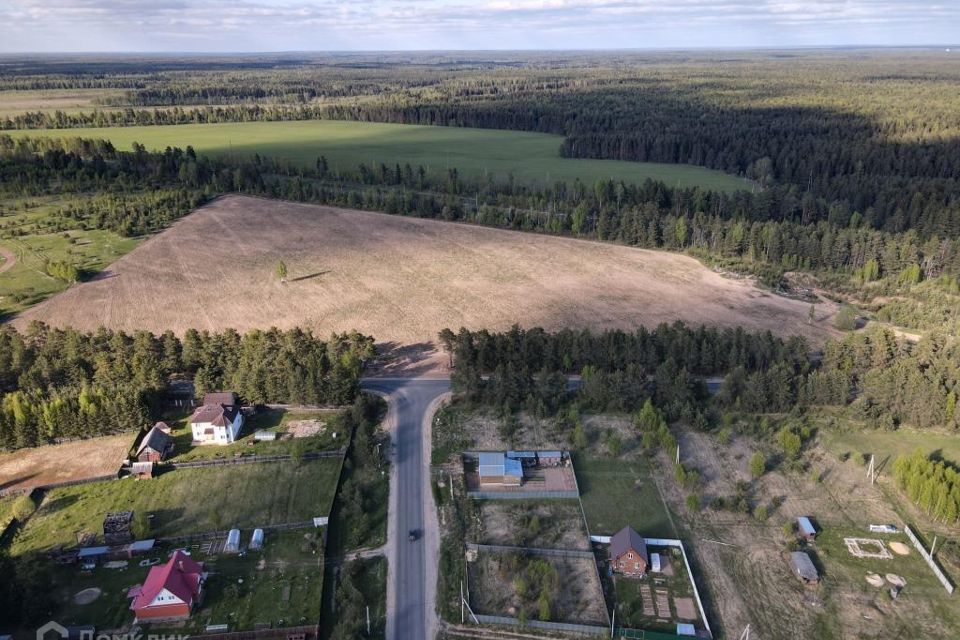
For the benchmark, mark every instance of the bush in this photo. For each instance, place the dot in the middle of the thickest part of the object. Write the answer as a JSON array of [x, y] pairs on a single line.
[[693, 502], [846, 318], [760, 513], [758, 464]]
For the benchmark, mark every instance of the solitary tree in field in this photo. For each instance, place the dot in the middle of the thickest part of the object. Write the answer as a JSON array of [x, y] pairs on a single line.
[[812, 314], [282, 270]]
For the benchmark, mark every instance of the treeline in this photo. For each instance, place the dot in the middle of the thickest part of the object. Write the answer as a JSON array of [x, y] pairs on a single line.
[[63, 383], [739, 229], [881, 380], [620, 370], [932, 485]]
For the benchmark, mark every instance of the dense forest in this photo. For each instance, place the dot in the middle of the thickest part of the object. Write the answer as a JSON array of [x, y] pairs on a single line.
[[864, 138], [881, 381], [61, 383]]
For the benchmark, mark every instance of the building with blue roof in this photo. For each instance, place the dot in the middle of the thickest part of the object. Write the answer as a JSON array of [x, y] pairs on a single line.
[[497, 468]]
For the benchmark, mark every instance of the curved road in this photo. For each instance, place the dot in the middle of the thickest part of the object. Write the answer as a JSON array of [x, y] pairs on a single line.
[[411, 566]]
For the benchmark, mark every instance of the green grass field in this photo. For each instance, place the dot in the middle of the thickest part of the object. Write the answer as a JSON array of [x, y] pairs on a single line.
[[27, 234], [887, 446], [188, 501], [616, 493], [531, 157]]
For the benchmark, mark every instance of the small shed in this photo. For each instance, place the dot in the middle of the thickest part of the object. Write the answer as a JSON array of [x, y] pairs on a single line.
[[256, 540], [655, 562], [550, 458], [233, 542], [140, 547], [497, 468], [806, 528], [804, 568], [686, 629], [92, 554], [156, 445], [526, 458], [265, 436], [143, 470]]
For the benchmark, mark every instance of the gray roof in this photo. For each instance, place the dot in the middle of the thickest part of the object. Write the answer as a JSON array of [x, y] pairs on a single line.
[[228, 398], [156, 439], [89, 552], [625, 540], [521, 454], [550, 454], [492, 464], [804, 566], [806, 527]]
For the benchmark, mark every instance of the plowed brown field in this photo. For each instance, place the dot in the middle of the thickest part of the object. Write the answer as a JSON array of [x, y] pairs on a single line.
[[402, 279]]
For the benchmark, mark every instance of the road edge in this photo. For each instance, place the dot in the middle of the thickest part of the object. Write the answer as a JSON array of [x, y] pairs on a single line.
[[431, 521]]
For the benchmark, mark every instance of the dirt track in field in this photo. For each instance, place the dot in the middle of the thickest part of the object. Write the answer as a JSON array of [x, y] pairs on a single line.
[[9, 259], [402, 280]]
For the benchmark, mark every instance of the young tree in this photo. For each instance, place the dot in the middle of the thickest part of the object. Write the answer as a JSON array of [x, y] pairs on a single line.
[[758, 464], [281, 270]]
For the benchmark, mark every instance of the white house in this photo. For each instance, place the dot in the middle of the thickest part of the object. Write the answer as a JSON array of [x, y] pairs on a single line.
[[218, 420]]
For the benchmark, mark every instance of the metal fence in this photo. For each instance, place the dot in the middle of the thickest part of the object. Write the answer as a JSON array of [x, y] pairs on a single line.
[[937, 571], [531, 551], [215, 535], [261, 634], [566, 627], [523, 495]]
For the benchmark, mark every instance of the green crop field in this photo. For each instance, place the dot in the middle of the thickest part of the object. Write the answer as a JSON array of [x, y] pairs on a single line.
[[532, 157], [188, 501]]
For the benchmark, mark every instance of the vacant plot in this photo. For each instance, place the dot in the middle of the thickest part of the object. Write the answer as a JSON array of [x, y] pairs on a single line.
[[476, 153], [544, 524], [747, 578], [400, 279], [188, 501], [61, 462], [510, 584], [617, 493]]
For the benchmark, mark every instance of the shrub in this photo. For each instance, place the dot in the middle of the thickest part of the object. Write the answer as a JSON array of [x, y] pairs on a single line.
[[758, 464]]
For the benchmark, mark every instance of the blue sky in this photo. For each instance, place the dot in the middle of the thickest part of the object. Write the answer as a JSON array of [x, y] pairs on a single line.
[[327, 25]]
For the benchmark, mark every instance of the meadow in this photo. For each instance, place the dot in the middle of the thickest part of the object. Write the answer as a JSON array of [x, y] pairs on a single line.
[[617, 493], [29, 238], [475, 153], [188, 501]]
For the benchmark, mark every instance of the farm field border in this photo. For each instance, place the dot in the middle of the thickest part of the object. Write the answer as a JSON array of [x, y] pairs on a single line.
[[477, 153]]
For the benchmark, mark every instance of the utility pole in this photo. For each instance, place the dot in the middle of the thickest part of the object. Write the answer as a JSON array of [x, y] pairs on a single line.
[[746, 634], [678, 454], [368, 621]]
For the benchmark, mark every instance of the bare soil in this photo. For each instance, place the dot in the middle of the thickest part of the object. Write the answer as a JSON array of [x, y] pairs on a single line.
[[61, 462], [579, 600], [402, 280], [744, 563], [549, 524]]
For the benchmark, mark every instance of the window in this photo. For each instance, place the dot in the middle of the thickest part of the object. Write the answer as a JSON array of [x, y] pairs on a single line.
[[636, 565], [630, 556]]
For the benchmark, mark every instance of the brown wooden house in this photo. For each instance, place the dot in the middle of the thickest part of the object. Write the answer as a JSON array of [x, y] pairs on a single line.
[[156, 445], [628, 553]]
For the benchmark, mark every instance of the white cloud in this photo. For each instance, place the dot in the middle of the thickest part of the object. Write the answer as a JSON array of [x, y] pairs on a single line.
[[246, 25]]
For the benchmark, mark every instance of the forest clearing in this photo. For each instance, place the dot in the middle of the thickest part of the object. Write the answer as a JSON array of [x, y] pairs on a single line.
[[402, 280], [475, 153]]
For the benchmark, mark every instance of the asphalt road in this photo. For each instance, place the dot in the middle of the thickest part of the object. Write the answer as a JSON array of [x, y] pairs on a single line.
[[411, 589]]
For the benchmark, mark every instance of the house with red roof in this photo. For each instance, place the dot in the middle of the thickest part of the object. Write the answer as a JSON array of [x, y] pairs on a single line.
[[170, 592]]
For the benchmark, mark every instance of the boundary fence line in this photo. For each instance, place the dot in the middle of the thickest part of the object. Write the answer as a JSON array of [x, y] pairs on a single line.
[[937, 571], [523, 495], [531, 551]]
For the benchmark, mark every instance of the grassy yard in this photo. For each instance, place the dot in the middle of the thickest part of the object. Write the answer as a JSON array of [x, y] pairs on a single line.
[[616, 493], [27, 234], [276, 420], [477, 153], [188, 500], [280, 585]]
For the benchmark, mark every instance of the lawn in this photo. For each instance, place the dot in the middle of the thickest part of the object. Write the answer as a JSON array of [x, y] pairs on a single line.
[[188, 501], [477, 153], [280, 585], [276, 420], [617, 493], [26, 282]]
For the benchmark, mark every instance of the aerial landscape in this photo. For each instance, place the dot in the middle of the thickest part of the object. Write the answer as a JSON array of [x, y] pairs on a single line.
[[416, 319]]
